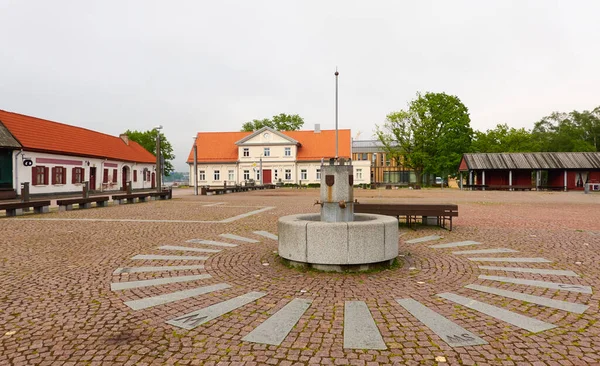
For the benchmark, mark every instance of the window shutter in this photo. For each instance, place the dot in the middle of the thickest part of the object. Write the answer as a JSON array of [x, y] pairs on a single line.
[[135, 175], [82, 175], [54, 175], [34, 176], [114, 176], [46, 175], [73, 175], [105, 178]]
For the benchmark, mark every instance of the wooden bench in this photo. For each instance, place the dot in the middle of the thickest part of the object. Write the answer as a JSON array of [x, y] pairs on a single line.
[[164, 195], [67, 204], [442, 212], [16, 208], [119, 199]]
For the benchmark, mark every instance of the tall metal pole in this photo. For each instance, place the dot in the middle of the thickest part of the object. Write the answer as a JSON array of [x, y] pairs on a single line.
[[261, 171], [195, 168], [336, 113], [158, 165]]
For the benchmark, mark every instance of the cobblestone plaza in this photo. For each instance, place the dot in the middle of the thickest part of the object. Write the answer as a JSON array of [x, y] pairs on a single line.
[[197, 281]]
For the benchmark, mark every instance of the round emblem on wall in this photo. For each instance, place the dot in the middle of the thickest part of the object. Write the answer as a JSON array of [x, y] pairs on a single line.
[[266, 135]]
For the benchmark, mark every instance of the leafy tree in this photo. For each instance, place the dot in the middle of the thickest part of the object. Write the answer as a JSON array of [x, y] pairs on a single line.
[[280, 122], [430, 136], [148, 141], [561, 132], [504, 139]]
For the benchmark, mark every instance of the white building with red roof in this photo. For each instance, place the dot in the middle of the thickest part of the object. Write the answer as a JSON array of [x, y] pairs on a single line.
[[56, 158], [286, 156]]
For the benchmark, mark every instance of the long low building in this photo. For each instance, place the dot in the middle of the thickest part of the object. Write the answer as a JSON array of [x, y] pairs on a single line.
[[284, 156], [541, 170], [56, 158]]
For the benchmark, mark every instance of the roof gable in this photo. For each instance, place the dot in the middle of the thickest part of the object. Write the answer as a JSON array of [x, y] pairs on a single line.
[[273, 137], [7, 139], [38, 134]]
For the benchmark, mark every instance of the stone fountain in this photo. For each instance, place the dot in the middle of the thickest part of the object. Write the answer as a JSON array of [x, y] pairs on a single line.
[[338, 239]]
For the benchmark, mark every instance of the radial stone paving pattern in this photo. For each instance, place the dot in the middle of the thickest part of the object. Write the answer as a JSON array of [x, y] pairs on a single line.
[[138, 292]]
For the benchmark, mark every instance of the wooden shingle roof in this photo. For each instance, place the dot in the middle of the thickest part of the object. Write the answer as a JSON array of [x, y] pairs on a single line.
[[531, 161]]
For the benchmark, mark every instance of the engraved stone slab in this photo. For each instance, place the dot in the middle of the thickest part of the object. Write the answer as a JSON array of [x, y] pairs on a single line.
[[148, 302], [199, 317], [539, 300], [169, 257], [266, 234], [450, 332], [518, 320], [274, 330], [155, 269], [556, 272], [455, 244], [510, 259], [188, 249], [239, 238], [544, 284], [360, 330], [211, 242], [155, 282], [486, 251], [423, 239]]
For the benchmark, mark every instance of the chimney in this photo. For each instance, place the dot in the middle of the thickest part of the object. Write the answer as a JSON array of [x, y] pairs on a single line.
[[125, 138], [317, 128]]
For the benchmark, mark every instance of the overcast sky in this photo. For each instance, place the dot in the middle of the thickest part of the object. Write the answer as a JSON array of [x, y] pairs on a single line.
[[212, 65]]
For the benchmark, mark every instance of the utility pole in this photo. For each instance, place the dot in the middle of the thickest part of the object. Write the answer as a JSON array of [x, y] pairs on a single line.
[[261, 171], [195, 166], [158, 160], [336, 113]]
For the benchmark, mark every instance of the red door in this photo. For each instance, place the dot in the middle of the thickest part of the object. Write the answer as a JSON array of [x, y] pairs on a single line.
[[267, 176], [92, 179]]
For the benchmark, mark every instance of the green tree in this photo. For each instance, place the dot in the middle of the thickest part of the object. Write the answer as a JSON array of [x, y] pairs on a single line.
[[504, 139], [430, 136], [280, 122], [148, 141], [561, 132]]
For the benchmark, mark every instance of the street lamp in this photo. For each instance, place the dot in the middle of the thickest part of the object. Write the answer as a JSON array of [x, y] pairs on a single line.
[[195, 166], [158, 160], [260, 170]]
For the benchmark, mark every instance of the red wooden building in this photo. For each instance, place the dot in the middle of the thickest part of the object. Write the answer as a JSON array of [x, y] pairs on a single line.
[[547, 170]]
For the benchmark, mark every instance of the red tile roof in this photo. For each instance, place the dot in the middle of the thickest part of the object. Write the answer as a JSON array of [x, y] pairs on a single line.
[[221, 147], [37, 134]]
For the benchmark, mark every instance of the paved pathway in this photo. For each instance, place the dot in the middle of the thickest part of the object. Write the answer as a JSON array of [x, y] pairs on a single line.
[[112, 292]]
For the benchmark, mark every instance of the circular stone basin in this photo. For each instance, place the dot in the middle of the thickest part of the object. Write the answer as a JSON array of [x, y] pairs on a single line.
[[337, 246]]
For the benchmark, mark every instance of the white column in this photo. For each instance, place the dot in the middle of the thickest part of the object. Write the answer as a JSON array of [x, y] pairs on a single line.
[[510, 180], [565, 181], [461, 182], [483, 179], [470, 179]]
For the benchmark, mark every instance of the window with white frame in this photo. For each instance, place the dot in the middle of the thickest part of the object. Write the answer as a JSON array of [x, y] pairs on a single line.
[[318, 174], [303, 174], [288, 174], [288, 151], [231, 175], [257, 174], [275, 174], [201, 175], [217, 175], [359, 174], [267, 151], [246, 175], [246, 151]]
